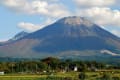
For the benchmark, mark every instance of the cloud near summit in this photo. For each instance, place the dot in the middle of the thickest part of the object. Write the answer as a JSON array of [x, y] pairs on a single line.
[[37, 7], [103, 12], [94, 3]]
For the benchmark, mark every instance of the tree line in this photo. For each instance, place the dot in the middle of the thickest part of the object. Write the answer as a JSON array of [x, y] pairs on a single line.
[[51, 64]]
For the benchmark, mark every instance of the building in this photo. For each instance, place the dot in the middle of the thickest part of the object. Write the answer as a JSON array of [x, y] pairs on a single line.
[[75, 68]]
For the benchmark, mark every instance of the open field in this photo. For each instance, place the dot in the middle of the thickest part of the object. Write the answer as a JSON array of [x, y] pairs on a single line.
[[60, 76]]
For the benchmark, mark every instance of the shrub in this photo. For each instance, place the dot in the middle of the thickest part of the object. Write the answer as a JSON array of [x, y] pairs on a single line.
[[67, 78], [82, 76], [106, 77], [115, 78]]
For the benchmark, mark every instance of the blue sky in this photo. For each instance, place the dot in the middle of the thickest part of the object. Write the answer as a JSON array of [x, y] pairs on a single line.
[[31, 15]]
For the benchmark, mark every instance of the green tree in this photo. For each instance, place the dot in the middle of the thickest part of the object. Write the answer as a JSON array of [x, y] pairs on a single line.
[[52, 63]]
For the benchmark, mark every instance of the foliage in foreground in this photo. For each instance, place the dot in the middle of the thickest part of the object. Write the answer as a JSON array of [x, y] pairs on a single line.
[[51, 64]]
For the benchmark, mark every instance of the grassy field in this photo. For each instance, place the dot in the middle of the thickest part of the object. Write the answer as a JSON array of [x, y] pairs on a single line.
[[60, 76]]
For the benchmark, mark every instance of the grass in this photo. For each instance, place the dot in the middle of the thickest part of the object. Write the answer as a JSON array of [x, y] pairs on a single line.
[[57, 76]]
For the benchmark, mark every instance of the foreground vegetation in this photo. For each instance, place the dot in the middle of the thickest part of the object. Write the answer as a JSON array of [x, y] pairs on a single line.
[[56, 69], [65, 76], [52, 65]]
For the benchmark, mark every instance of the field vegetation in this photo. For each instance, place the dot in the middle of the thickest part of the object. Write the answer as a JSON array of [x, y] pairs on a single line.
[[57, 69]]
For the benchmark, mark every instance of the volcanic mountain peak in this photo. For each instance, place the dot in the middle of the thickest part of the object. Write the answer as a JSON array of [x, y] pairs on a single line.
[[75, 21], [67, 37]]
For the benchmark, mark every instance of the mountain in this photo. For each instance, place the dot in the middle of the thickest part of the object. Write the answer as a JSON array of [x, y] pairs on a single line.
[[19, 36], [15, 38], [69, 37]]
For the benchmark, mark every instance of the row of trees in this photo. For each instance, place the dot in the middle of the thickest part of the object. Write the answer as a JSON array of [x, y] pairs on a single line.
[[49, 64]]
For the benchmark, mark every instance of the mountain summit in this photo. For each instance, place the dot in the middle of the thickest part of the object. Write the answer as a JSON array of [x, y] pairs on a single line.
[[67, 37], [76, 21]]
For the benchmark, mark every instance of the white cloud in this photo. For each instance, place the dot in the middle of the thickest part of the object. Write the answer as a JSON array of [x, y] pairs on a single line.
[[29, 27], [102, 16], [109, 52], [94, 3], [51, 8], [17, 5]]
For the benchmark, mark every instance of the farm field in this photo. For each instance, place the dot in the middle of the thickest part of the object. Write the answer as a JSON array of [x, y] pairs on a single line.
[[62, 76]]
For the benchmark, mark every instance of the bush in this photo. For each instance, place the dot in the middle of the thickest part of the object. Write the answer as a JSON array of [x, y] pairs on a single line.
[[67, 78], [106, 77], [82, 76], [115, 78]]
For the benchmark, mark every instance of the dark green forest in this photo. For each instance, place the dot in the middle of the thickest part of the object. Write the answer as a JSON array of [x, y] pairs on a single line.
[[51, 64]]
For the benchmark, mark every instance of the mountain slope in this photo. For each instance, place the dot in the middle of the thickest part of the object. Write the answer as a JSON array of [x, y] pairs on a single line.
[[15, 38], [19, 36], [68, 37]]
